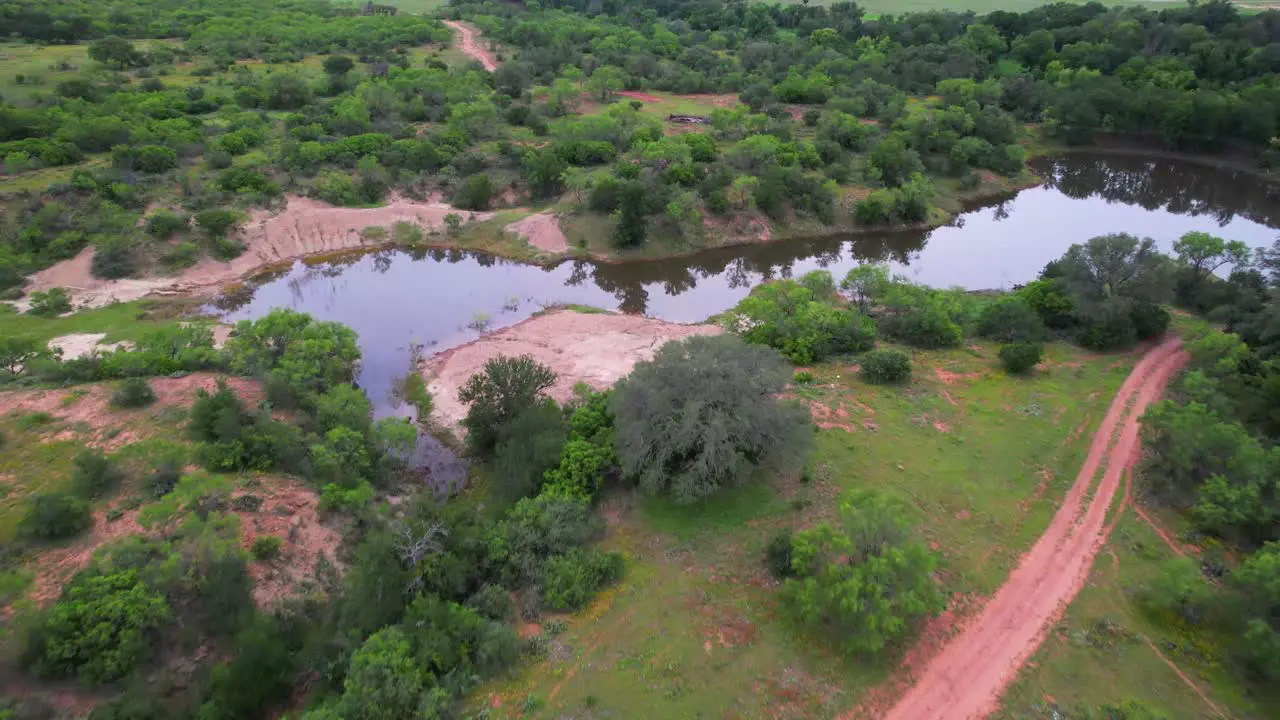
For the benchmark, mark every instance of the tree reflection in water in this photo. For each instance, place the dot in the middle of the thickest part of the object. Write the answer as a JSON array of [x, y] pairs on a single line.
[[392, 297]]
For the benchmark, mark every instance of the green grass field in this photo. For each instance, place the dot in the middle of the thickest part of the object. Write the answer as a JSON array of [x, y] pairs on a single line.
[[898, 7], [417, 7], [120, 321], [982, 460]]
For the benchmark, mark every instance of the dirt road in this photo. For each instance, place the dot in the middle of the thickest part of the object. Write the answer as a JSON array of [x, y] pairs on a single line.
[[965, 680], [470, 42]]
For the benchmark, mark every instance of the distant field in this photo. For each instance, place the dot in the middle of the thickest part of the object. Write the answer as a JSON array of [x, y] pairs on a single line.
[[897, 7], [417, 7]]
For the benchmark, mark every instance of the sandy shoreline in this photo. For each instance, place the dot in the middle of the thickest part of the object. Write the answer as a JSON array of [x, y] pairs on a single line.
[[304, 228], [593, 348]]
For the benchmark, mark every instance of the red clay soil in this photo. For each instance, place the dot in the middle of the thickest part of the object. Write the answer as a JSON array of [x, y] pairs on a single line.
[[471, 46], [965, 680], [642, 97]]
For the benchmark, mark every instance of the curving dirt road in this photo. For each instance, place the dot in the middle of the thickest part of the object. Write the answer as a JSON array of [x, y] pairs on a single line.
[[471, 45], [965, 680]]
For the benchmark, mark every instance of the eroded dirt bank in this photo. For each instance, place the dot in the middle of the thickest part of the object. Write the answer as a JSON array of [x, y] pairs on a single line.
[[965, 680], [305, 227], [542, 231], [596, 349]]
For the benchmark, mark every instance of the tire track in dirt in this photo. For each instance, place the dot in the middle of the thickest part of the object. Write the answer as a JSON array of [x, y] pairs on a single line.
[[468, 40], [965, 680]]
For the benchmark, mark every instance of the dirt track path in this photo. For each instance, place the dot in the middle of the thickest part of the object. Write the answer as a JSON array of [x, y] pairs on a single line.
[[471, 45], [965, 680]]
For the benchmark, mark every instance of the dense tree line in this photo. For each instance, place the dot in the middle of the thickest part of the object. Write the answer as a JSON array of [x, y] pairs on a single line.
[[829, 99], [1194, 77], [277, 30]]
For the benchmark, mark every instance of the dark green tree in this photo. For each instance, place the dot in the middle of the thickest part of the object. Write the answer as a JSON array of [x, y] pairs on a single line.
[[703, 414]]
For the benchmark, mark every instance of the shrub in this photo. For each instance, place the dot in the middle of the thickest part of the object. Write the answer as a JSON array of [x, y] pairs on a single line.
[[702, 414], [265, 547], [492, 601], [535, 529], [449, 638], [804, 377], [474, 193], [1020, 358], [863, 580], [385, 680], [588, 457], [406, 233], [164, 224], [497, 395], [797, 319], [416, 394], [259, 676], [101, 628], [51, 303], [95, 474], [531, 445], [114, 257], [247, 503], [335, 498], [217, 222], [54, 516], [1113, 330], [133, 392], [33, 420], [925, 326], [569, 581], [1010, 320], [1149, 320], [777, 555], [17, 354], [164, 478], [885, 366], [182, 255], [1050, 301]]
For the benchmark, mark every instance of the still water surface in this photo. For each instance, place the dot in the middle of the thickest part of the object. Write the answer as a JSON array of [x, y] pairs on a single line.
[[395, 298]]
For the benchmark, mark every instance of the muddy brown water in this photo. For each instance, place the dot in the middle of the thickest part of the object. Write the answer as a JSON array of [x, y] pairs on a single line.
[[440, 299]]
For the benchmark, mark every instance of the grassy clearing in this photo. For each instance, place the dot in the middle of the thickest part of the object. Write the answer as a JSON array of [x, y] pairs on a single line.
[[899, 7], [38, 180], [671, 104], [120, 321], [693, 631], [1098, 653], [26, 70], [40, 447], [34, 459], [418, 7]]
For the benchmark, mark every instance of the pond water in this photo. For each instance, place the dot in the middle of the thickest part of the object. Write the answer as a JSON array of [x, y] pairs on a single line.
[[438, 299]]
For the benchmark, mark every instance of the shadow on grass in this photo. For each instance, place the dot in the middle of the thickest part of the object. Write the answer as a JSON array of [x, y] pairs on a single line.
[[728, 509]]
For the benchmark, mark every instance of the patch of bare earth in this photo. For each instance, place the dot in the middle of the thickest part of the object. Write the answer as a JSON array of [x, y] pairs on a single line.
[[78, 345], [596, 349], [53, 568], [305, 227], [721, 101], [89, 405], [289, 512], [542, 231], [642, 97], [740, 228]]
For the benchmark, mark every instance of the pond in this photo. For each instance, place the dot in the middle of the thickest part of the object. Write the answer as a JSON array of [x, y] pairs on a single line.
[[439, 299]]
